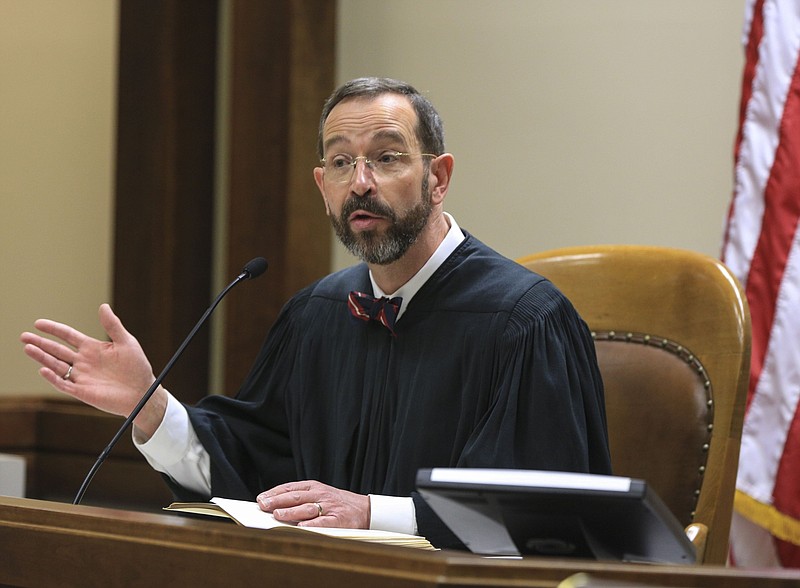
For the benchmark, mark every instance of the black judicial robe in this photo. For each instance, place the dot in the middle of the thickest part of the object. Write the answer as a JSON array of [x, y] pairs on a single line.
[[491, 366]]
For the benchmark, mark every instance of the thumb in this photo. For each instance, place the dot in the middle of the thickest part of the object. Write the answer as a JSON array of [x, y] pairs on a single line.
[[112, 324]]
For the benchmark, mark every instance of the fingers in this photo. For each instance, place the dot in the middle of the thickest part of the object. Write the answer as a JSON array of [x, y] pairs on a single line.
[[311, 503], [302, 514], [109, 321], [302, 486], [61, 331], [57, 355], [55, 360], [110, 376], [285, 496], [295, 501], [54, 355], [112, 324], [49, 354], [57, 381], [48, 346]]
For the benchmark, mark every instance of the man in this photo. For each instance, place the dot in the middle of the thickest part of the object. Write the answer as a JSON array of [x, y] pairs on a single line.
[[465, 358]]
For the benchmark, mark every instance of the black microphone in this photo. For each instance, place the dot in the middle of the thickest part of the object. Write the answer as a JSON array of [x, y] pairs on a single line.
[[253, 269]]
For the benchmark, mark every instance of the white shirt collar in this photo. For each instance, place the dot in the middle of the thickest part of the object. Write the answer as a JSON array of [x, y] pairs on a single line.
[[451, 240]]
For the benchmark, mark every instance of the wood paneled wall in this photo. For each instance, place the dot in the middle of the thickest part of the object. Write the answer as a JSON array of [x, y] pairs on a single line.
[[61, 439]]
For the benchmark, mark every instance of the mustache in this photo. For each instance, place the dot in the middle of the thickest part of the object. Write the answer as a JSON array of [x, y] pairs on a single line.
[[369, 205]]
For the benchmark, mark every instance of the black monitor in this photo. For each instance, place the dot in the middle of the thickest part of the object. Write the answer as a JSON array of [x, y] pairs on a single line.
[[529, 512]]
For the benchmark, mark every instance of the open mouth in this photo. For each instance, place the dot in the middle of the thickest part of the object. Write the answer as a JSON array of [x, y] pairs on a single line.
[[363, 214], [363, 219]]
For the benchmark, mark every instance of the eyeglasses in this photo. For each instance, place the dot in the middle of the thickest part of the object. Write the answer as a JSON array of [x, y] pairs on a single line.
[[387, 164]]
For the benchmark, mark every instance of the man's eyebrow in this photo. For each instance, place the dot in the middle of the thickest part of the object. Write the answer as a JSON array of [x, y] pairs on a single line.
[[381, 135], [387, 134], [334, 140]]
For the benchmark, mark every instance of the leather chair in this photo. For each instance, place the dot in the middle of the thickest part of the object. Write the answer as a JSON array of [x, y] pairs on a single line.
[[672, 333]]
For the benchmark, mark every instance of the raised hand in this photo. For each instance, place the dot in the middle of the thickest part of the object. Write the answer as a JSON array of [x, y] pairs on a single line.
[[109, 375]]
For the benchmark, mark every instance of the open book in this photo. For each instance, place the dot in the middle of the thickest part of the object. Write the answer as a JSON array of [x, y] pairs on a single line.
[[248, 514]]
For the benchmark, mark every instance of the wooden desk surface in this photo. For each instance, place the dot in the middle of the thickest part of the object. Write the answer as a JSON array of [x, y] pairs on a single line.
[[53, 544]]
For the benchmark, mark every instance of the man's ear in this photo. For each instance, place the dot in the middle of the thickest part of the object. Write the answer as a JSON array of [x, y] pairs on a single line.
[[318, 173], [441, 172]]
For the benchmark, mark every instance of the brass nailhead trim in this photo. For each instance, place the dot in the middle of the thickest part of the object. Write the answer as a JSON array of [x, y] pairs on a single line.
[[688, 357]]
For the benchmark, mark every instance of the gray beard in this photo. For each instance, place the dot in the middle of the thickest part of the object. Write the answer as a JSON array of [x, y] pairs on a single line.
[[382, 249]]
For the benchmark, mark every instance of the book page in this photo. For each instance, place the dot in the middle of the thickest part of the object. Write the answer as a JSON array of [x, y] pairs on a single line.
[[249, 514]]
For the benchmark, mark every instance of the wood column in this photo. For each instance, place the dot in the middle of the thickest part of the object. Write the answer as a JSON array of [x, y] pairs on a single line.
[[282, 71], [164, 180]]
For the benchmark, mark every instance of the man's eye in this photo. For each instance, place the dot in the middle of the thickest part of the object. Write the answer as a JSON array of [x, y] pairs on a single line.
[[340, 161], [387, 157]]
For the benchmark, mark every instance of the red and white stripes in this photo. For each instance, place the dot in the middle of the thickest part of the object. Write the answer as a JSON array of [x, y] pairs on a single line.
[[762, 248]]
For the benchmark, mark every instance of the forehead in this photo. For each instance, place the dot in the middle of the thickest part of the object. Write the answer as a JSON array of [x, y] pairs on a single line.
[[359, 122]]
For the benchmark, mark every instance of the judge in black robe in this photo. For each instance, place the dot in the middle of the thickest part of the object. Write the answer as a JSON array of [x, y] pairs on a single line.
[[491, 366]]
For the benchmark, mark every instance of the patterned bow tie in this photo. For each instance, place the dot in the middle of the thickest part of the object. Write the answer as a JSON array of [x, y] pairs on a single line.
[[368, 308]]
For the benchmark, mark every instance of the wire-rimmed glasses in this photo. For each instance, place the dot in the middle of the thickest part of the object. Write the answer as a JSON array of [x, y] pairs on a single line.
[[386, 164]]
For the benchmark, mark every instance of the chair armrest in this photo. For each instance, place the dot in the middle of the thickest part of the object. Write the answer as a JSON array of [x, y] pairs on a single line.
[[698, 534]]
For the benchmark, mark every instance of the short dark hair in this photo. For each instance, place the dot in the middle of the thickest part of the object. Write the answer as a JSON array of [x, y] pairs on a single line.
[[430, 131]]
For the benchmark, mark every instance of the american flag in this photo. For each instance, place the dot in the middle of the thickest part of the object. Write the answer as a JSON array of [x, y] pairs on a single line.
[[762, 248]]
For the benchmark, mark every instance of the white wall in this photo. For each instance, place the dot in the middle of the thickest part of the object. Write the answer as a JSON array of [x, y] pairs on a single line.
[[572, 121], [57, 101]]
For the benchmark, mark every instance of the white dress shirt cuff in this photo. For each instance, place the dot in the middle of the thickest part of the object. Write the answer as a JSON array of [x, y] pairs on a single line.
[[392, 513], [175, 450]]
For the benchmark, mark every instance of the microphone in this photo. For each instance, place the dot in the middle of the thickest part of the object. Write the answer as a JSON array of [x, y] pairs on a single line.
[[254, 268]]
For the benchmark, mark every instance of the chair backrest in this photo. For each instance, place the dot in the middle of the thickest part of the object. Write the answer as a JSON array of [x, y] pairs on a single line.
[[672, 333]]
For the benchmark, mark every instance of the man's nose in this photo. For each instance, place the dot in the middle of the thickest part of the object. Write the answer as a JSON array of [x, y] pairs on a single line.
[[363, 179]]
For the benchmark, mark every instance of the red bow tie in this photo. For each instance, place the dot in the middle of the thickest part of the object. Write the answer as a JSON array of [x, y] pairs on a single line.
[[368, 308]]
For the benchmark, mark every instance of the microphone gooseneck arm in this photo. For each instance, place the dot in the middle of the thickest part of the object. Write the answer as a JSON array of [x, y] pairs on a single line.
[[253, 269]]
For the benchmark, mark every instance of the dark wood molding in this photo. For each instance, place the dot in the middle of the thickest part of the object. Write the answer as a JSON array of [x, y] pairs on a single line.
[[282, 71], [165, 179]]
